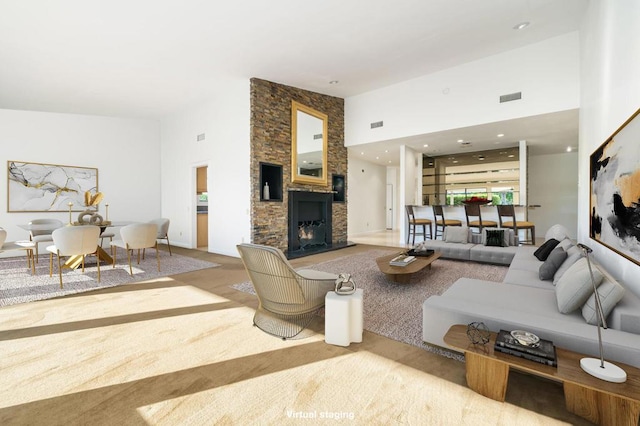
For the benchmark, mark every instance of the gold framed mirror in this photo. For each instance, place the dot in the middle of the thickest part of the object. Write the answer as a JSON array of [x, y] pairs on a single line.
[[308, 145]]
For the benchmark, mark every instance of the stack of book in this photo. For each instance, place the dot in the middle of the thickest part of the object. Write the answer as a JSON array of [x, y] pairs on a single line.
[[402, 260], [544, 352]]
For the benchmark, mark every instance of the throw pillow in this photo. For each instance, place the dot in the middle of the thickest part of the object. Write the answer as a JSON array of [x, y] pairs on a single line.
[[566, 243], [551, 265], [456, 234], [508, 234], [610, 293], [545, 249], [575, 287], [569, 261], [558, 232], [495, 238]]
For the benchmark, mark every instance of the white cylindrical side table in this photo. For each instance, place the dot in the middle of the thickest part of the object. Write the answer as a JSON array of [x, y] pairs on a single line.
[[343, 318]]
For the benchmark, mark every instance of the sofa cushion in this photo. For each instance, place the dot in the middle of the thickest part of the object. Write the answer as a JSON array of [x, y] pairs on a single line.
[[488, 254], [575, 286], [568, 262], [545, 249], [456, 234], [550, 266], [566, 243], [610, 293]]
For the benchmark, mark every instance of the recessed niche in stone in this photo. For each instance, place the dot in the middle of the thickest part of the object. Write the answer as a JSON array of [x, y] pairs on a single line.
[[270, 182], [338, 188]]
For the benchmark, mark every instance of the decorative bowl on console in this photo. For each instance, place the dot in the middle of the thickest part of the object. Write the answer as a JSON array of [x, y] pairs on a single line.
[[477, 200]]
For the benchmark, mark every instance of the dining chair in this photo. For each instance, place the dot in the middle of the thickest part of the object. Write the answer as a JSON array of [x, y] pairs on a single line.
[[414, 223], [26, 246], [135, 237], [287, 298], [474, 211], [508, 211], [43, 235], [73, 241], [441, 222], [163, 230]]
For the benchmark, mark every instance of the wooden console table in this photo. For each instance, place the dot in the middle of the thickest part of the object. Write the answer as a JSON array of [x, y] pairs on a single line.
[[596, 400]]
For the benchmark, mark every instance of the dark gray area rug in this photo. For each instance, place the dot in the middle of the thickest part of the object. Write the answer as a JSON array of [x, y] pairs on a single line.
[[395, 310], [18, 285]]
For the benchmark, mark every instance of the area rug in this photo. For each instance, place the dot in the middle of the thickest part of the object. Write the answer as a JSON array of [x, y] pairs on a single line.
[[395, 310], [18, 285]]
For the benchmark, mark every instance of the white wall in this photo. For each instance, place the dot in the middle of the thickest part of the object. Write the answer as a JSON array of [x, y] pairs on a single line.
[[547, 74], [553, 184], [610, 92], [367, 196], [125, 152], [225, 121]]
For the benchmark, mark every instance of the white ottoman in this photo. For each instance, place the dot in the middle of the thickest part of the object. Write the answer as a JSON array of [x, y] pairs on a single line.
[[343, 318]]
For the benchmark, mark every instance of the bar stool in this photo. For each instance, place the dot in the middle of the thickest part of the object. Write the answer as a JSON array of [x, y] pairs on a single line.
[[473, 210], [413, 222], [438, 212], [509, 211]]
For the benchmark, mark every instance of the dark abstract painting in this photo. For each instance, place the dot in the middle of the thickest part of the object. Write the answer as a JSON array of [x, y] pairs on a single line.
[[615, 191]]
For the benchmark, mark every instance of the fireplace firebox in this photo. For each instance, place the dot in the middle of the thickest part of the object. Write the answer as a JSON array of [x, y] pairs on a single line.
[[310, 215]]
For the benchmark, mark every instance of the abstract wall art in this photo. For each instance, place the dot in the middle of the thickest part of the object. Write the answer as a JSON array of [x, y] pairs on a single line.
[[615, 191], [36, 187]]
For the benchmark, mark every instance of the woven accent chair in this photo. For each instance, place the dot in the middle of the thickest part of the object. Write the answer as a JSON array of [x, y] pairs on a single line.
[[135, 237], [43, 236], [441, 222], [74, 241], [473, 210], [413, 223], [509, 211], [287, 299]]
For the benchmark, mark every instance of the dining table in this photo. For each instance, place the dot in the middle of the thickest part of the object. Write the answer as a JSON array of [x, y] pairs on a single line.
[[73, 262]]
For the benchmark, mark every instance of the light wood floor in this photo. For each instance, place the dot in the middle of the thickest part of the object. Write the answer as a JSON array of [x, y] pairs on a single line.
[[524, 391]]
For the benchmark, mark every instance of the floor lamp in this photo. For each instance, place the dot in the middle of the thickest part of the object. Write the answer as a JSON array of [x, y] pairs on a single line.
[[600, 368]]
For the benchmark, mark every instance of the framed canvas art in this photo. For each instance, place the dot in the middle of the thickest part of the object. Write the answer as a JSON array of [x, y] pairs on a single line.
[[37, 187], [615, 191]]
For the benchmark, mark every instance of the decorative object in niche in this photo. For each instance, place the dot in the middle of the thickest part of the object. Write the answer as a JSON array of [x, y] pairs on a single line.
[[615, 191], [37, 187], [308, 145]]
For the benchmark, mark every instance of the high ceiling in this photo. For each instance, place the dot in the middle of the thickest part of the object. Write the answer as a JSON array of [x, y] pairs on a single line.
[[149, 58]]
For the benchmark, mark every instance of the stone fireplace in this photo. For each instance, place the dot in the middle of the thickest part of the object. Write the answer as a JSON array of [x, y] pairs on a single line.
[[271, 161]]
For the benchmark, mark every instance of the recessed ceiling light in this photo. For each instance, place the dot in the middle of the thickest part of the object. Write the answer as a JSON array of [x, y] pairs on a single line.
[[426, 145], [362, 153], [460, 140], [377, 158], [334, 82], [455, 161], [386, 150], [500, 135], [511, 156], [521, 25], [568, 149], [389, 161], [481, 158]]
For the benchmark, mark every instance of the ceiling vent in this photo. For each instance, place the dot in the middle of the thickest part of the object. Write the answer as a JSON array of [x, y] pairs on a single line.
[[200, 137], [376, 124], [318, 136], [465, 144], [511, 97]]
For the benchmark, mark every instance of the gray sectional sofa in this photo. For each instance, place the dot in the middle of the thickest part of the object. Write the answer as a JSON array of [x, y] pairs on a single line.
[[523, 301]]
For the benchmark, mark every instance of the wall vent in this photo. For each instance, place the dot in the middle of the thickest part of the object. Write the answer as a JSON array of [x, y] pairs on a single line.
[[200, 137], [376, 124], [511, 97]]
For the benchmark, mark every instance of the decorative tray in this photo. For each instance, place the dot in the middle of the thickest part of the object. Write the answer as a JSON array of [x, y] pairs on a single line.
[[423, 253]]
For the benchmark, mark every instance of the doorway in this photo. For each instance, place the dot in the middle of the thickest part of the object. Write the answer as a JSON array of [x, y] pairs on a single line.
[[202, 209], [389, 206]]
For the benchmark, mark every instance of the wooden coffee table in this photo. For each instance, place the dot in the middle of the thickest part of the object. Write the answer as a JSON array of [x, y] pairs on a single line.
[[598, 401], [402, 274]]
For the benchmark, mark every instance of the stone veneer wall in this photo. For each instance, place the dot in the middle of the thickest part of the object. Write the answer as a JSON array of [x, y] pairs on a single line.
[[271, 143]]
